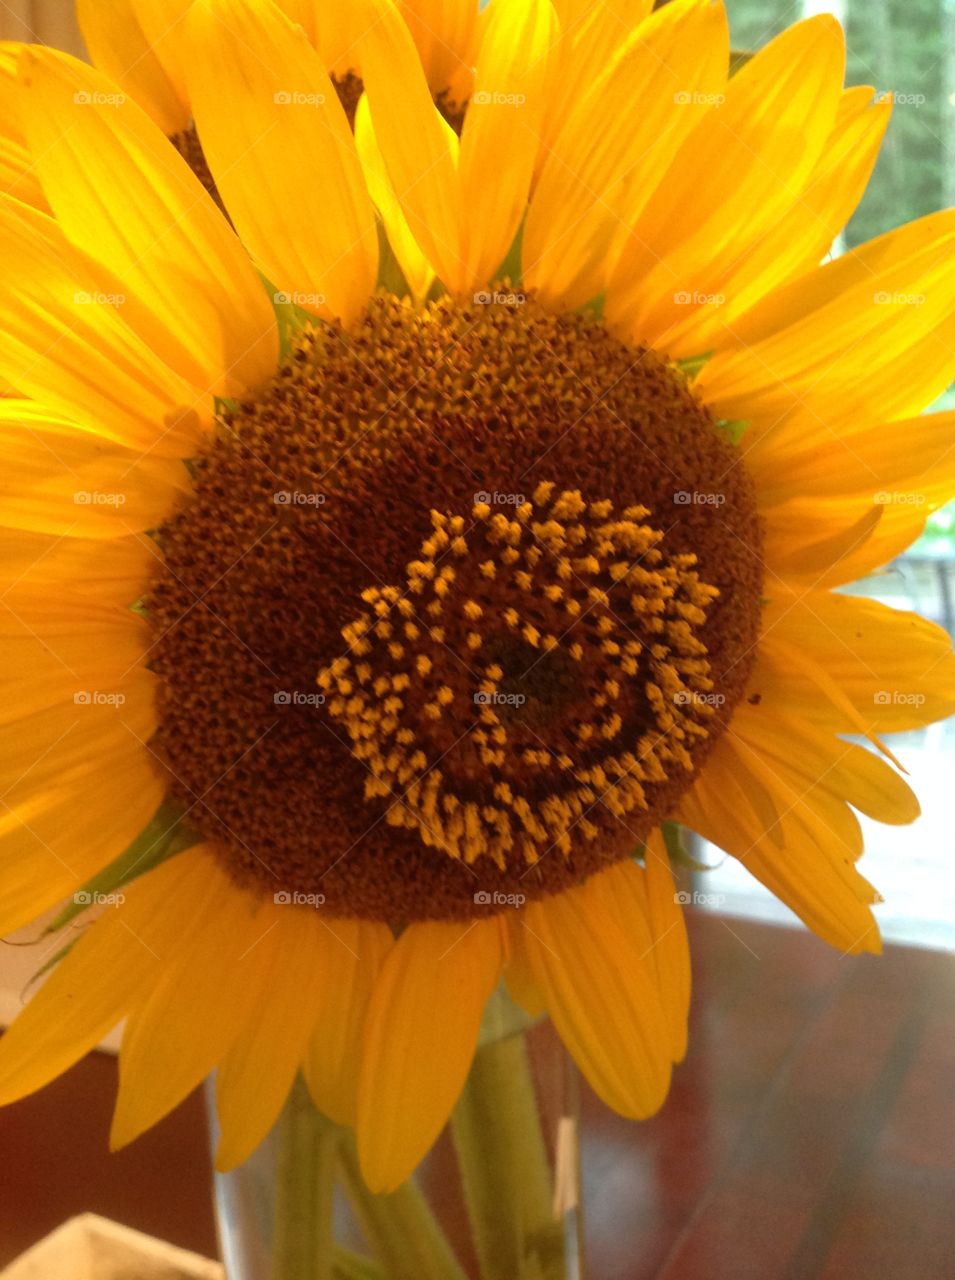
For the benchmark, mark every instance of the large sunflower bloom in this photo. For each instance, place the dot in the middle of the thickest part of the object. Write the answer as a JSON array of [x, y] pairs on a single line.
[[467, 592]]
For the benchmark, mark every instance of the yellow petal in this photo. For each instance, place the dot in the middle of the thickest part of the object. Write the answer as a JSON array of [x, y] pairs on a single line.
[[113, 964], [735, 175], [801, 237], [445, 33], [55, 836], [117, 43], [868, 461], [210, 980], [518, 976], [420, 150], [270, 120], [112, 572], [671, 952], [602, 998], [256, 1075], [59, 480], [603, 166], [644, 903], [66, 345], [829, 765], [162, 23], [415, 266], [870, 335], [353, 952], [123, 195], [420, 1039], [17, 176], [897, 670], [591, 31], [504, 118], [810, 865]]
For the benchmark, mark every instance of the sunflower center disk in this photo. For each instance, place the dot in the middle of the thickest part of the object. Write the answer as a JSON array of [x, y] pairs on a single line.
[[455, 612], [528, 669]]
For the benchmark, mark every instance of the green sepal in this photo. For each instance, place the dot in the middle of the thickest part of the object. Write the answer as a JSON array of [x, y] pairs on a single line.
[[391, 278], [349, 1266], [739, 59], [503, 1017], [511, 268], [164, 837], [53, 961], [735, 430], [677, 852], [692, 365]]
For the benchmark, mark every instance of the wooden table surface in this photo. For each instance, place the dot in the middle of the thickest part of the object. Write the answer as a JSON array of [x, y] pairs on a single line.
[[811, 1133]]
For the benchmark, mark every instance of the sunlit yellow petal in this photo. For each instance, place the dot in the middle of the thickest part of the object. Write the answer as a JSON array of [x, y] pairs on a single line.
[[740, 169], [420, 149], [871, 334], [504, 117], [270, 119], [122, 194], [416, 269], [118, 44], [601, 169]]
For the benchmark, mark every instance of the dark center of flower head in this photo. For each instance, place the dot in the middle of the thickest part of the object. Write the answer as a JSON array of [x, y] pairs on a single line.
[[455, 613]]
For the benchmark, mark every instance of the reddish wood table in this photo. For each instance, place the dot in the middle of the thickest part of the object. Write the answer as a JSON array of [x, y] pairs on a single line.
[[809, 1136]]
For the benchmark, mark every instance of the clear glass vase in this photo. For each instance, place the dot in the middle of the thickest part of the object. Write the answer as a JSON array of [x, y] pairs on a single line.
[[497, 1198]]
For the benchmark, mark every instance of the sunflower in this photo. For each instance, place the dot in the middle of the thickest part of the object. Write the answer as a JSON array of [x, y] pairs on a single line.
[[364, 629]]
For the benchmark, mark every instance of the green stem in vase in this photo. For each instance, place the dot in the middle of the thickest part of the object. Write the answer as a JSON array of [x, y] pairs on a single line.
[[350, 1266], [504, 1168], [401, 1230], [303, 1247]]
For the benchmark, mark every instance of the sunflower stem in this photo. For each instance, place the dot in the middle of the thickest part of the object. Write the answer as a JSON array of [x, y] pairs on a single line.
[[401, 1229], [504, 1169], [303, 1247]]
